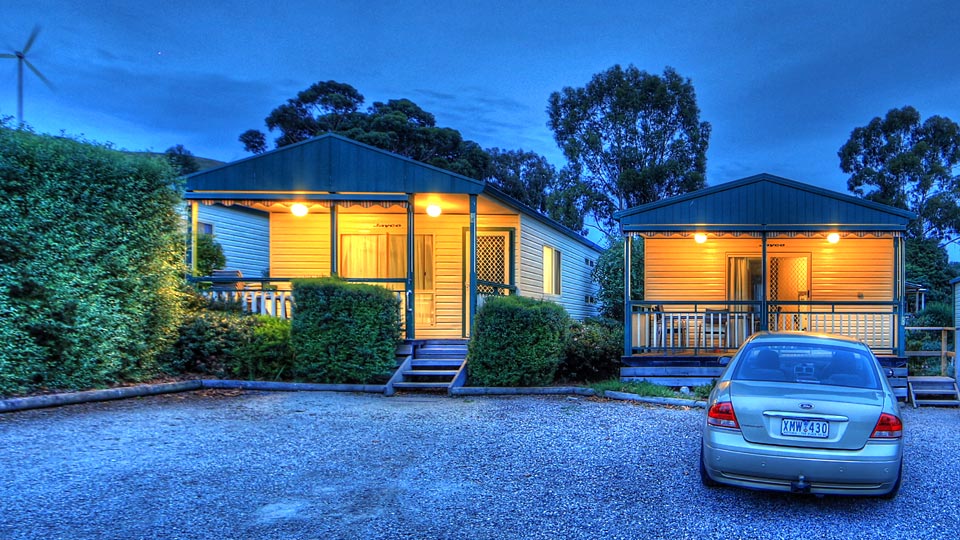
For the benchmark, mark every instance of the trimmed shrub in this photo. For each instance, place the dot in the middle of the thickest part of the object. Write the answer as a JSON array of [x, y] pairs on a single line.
[[268, 354], [344, 332], [209, 341], [91, 261], [593, 351], [517, 341], [228, 344]]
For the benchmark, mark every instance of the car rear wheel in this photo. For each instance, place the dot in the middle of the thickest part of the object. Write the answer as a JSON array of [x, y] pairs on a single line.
[[705, 476]]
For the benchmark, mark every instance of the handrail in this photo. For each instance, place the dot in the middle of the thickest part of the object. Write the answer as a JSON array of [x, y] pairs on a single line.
[[944, 354]]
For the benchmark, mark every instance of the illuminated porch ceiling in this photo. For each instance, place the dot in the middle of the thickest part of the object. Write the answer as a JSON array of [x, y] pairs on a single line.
[[450, 204]]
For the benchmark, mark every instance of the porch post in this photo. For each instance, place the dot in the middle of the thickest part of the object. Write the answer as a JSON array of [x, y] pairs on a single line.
[[764, 317], [899, 273], [194, 223], [472, 294], [334, 256], [411, 318], [627, 287]]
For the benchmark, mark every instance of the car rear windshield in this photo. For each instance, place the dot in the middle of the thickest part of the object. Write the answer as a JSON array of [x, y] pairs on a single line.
[[806, 363]]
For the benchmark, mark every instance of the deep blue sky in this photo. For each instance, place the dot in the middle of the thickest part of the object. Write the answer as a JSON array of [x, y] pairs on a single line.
[[782, 83]]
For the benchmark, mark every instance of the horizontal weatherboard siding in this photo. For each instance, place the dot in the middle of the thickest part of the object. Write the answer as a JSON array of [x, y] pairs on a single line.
[[243, 234], [576, 284]]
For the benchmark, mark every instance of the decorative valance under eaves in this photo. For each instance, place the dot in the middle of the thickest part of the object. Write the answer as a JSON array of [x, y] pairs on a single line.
[[770, 233]]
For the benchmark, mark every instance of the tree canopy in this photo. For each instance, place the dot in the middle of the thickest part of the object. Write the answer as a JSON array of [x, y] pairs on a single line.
[[532, 180], [182, 160], [635, 138], [399, 126], [903, 162]]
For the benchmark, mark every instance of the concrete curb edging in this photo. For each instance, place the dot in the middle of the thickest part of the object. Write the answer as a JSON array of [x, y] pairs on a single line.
[[54, 400], [520, 391], [272, 386], [655, 400]]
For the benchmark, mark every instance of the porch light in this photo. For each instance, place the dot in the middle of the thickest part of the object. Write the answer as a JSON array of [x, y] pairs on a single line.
[[700, 238], [433, 210], [833, 238], [298, 209]]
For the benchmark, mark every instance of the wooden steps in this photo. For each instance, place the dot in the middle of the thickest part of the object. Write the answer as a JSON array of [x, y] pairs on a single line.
[[431, 365], [933, 391]]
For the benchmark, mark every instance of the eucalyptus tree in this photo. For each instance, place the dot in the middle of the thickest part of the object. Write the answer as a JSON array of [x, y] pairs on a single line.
[[397, 125], [634, 136], [902, 161]]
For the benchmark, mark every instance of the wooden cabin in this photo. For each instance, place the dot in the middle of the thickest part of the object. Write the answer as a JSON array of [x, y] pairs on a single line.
[[764, 253], [444, 242]]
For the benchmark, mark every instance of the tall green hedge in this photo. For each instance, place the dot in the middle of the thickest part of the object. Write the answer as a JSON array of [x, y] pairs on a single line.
[[344, 332], [517, 341], [90, 263]]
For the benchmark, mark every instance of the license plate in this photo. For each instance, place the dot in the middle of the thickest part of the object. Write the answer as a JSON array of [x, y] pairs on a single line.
[[797, 427]]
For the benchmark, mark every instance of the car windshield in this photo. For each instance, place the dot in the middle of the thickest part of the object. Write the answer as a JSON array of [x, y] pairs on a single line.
[[808, 363]]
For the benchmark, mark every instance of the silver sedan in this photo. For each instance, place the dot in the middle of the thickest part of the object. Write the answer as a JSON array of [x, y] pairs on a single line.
[[803, 413]]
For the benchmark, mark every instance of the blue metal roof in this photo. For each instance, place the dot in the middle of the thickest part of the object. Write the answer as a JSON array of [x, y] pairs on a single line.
[[331, 163], [763, 202]]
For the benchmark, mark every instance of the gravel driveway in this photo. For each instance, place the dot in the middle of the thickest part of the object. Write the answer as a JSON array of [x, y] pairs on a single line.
[[253, 465]]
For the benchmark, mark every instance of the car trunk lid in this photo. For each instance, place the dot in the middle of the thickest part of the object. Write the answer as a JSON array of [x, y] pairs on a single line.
[[806, 415]]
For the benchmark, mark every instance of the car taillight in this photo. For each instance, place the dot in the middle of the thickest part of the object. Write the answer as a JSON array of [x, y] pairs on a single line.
[[721, 414], [888, 427]]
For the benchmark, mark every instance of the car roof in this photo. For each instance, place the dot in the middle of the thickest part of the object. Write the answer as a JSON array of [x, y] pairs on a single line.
[[805, 337]]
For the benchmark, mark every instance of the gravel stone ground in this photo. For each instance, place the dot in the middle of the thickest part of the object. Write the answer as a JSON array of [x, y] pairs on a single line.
[[250, 465]]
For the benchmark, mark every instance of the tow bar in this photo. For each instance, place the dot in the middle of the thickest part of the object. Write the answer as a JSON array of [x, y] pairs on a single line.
[[800, 485]]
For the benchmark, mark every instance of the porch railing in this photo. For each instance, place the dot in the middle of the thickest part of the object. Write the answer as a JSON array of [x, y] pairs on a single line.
[[701, 327], [488, 289], [273, 296]]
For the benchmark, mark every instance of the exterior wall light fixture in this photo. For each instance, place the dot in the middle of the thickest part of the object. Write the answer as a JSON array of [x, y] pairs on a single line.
[[833, 238], [433, 210], [299, 209], [700, 238]]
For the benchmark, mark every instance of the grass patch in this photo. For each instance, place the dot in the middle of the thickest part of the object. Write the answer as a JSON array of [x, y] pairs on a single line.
[[649, 389]]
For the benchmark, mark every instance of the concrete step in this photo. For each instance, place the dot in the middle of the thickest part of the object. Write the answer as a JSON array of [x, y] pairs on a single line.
[[441, 351], [429, 372], [427, 363], [420, 385]]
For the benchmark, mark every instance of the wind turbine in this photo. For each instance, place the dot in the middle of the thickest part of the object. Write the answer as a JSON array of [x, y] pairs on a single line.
[[21, 57]]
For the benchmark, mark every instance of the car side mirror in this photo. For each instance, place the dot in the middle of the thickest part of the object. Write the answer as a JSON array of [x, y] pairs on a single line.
[[724, 360]]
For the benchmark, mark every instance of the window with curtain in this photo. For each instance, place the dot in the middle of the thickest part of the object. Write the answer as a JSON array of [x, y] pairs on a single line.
[[744, 280], [377, 256], [551, 271]]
